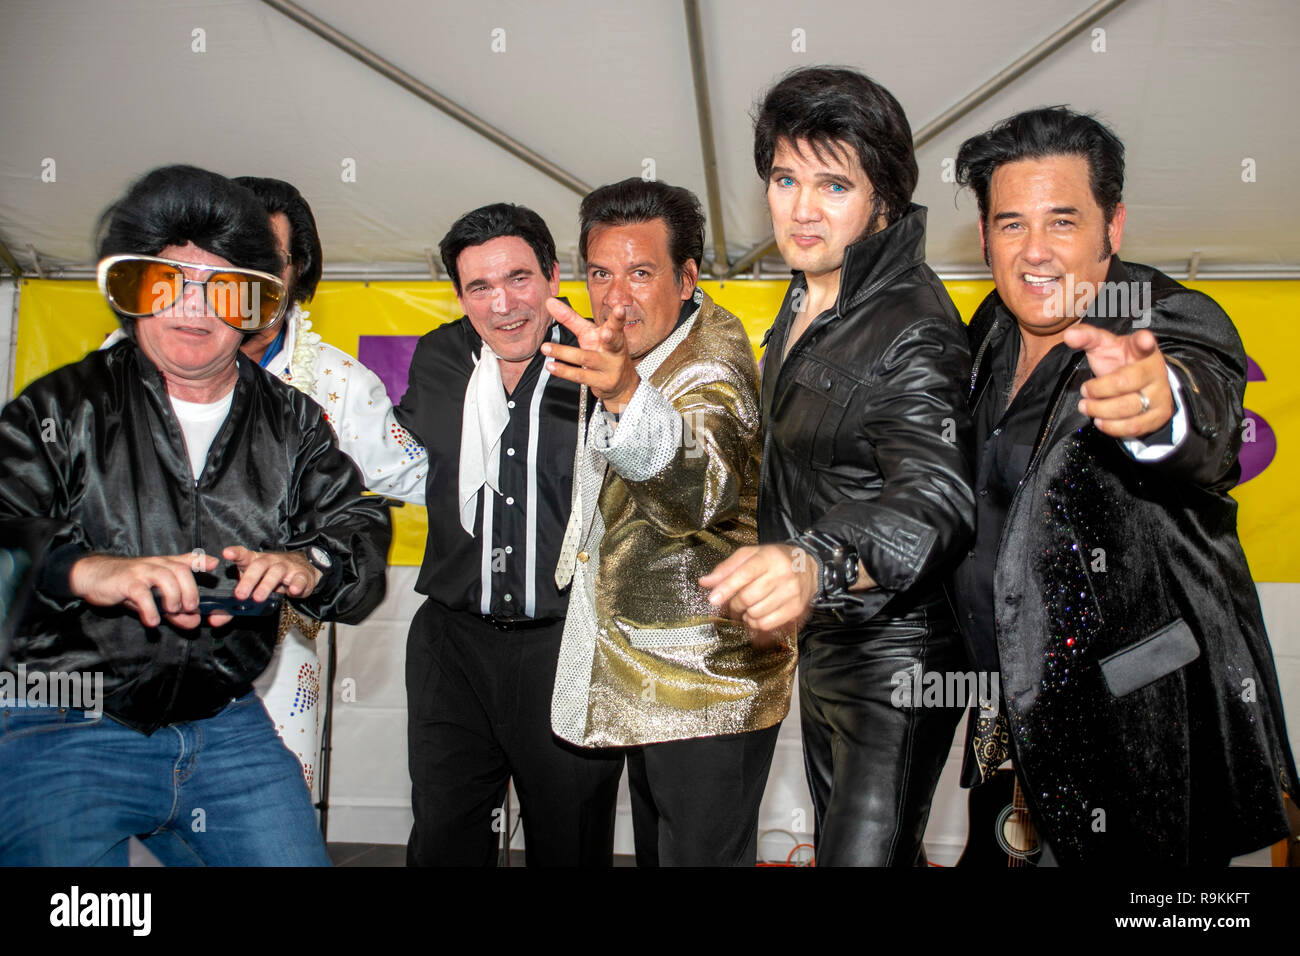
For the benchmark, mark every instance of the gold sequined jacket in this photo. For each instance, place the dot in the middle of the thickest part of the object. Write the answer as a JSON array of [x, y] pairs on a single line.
[[658, 662]]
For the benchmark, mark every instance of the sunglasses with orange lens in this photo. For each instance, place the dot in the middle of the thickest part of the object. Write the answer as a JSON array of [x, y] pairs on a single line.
[[139, 286]]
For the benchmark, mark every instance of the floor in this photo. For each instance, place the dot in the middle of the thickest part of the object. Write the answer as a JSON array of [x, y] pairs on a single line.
[[383, 854]]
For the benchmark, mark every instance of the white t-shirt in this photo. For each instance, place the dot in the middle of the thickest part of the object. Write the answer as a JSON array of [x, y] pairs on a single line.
[[200, 424]]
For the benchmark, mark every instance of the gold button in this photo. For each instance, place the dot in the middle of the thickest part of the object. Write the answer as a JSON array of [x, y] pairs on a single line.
[[583, 556]]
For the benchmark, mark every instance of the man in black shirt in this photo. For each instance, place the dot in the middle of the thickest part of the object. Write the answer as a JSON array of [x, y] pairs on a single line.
[[481, 656], [1106, 585]]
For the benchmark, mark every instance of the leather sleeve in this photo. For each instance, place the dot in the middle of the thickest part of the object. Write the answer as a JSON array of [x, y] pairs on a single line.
[[40, 483], [915, 418], [1204, 351], [327, 509]]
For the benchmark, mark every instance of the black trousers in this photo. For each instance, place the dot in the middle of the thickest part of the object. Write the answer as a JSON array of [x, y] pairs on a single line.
[[872, 766], [479, 713], [695, 802]]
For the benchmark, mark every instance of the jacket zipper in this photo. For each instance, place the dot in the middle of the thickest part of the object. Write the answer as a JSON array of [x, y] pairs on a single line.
[[194, 534]]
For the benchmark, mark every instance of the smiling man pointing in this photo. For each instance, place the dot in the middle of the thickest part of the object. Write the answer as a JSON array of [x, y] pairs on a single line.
[[1106, 582], [665, 485]]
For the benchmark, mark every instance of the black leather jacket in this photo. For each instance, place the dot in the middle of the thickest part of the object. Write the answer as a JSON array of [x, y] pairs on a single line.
[[93, 459], [867, 438], [1135, 669]]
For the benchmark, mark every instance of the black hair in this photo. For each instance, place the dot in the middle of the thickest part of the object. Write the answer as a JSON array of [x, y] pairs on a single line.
[[492, 222], [835, 109], [173, 205], [637, 200], [1037, 134], [277, 196]]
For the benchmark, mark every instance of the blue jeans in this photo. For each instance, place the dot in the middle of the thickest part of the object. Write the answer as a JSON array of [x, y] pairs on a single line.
[[223, 791]]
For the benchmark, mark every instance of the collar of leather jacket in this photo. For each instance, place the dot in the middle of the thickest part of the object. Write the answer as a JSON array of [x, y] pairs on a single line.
[[869, 265], [874, 262]]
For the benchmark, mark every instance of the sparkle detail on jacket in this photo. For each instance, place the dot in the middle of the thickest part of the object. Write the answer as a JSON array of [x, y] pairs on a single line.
[[646, 657]]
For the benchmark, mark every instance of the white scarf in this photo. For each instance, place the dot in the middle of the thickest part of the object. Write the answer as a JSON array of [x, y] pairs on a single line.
[[484, 419]]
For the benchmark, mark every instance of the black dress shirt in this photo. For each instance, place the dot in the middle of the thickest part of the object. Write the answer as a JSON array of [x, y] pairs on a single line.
[[1005, 436], [507, 568]]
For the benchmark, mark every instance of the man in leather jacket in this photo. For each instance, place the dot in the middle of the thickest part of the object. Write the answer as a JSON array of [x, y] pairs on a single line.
[[865, 490], [1139, 697], [142, 464]]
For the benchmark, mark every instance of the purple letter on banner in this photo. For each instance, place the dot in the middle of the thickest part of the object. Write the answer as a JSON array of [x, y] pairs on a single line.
[[389, 357]]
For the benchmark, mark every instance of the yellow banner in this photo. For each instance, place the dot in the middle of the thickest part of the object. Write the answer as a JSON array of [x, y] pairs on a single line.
[[59, 322]]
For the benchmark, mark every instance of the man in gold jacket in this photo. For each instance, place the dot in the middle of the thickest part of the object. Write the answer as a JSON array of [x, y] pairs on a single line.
[[665, 487]]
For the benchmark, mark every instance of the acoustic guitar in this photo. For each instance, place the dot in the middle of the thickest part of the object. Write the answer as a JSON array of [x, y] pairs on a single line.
[[1001, 833]]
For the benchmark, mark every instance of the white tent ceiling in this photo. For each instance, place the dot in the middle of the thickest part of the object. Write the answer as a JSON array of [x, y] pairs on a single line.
[[111, 88]]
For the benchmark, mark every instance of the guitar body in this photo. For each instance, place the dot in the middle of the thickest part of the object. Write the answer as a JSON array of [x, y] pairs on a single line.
[[1001, 833]]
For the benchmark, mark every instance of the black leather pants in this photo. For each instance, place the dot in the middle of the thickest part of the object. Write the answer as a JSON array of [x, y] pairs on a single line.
[[872, 766]]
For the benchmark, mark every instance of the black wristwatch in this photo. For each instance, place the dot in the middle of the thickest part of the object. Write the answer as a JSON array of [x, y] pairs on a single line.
[[320, 559], [837, 569]]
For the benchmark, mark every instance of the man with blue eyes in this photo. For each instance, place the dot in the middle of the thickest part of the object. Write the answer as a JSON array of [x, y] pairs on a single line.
[[499, 429], [1106, 584], [865, 496], [665, 481]]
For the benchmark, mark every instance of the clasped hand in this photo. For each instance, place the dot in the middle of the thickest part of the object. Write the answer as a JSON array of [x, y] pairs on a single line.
[[107, 580]]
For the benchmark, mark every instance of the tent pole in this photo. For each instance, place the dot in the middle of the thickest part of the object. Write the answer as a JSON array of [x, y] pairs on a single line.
[[7, 258], [1018, 67], [327, 734], [695, 37], [751, 256], [428, 94], [1021, 65]]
